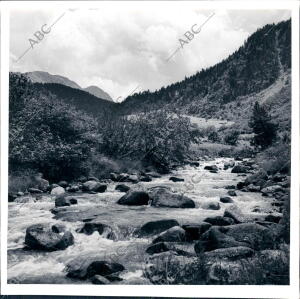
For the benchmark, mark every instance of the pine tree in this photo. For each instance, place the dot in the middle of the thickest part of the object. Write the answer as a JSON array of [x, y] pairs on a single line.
[[265, 131]]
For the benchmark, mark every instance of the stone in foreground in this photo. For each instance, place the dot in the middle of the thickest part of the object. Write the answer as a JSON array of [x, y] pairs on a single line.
[[46, 237]]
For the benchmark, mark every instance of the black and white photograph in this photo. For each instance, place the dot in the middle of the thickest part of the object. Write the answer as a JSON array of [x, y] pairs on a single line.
[[149, 143]]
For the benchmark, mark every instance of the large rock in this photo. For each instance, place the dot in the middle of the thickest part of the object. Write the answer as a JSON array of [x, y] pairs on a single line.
[[134, 198], [231, 193], [63, 201], [219, 220], [256, 236], [213, 205], [161, 197], [153, 174], [175, 179], [235, 213], [194, 231], [45, 237], [177, 248], [228, 165], [122, 188], [173, 234], [231, 253], [226, 199], [57, 191], [103, 229], [271, 189], [63, 184], [83, 267], [156, 227], [94, 186], [211, 167], [34, 190], [214, 238], [42, 184], [239, 169]]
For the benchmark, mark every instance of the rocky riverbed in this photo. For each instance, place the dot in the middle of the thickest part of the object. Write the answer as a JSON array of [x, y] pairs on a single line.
[[142, 229]]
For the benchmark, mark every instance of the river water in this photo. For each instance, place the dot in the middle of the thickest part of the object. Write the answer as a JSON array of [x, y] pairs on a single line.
[[48, 267]]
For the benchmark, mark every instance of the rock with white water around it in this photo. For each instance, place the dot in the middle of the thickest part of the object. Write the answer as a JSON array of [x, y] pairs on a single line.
[[213, 205], [173, 234], [271, 189], [84, 267], [44, 237], [175, 179], [211, 167], [156, 227], [239, 169], [162, 197], [57, 191], [226, 199], [231, 193], [63, 201], [94, 186], [134, 198], [235, 213], [103, 230], [25, 199], [122, 188]]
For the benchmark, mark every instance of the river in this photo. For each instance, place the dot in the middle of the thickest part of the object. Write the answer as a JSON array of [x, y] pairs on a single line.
[[28, 266]]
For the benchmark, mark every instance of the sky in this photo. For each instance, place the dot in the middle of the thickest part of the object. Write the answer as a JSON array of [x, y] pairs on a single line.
[[124, 48]]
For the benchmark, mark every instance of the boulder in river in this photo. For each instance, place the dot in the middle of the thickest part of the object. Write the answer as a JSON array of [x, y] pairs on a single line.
[[239, 169], [145, 178], [228, 165], [25, 199], [214, 238], [162, 197], [103, 229], [134, 198], [226, 199], [122, 188], [231, 193], [194, 231], [63, 184], [73, 188], [94, 186], [212, 205], [175, 179], [44, 237], [271, 189], [57, 191], [219, 220], [236, 214], [62, 200], [87, 267], [153, 174], [173, 234], [257, 237], [156, 227], [231, 253], [211, 167]]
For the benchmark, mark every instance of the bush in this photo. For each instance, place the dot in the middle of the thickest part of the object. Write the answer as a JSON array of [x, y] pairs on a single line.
[[275, 159], [232, 137], [157, 139]]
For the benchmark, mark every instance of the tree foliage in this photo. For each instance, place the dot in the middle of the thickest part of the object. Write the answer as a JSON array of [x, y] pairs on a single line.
[[265, 131]]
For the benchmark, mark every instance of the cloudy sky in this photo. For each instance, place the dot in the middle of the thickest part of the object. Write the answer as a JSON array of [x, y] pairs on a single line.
[[125, 47]]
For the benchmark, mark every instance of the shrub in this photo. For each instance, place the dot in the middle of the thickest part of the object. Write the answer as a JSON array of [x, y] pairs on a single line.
[[232, 137], [275, 159]]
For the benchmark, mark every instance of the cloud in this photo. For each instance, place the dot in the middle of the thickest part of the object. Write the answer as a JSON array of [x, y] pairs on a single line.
[[118, 47]]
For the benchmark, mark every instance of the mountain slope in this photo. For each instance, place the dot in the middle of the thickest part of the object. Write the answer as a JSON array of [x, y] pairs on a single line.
[[80, 99], [98, 92], [45, 77], [258, 64]]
